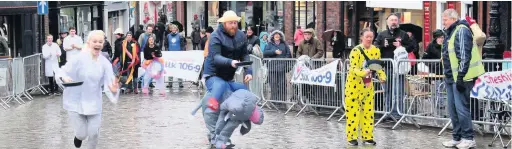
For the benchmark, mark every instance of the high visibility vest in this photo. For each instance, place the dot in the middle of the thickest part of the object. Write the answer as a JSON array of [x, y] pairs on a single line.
[[476, 68]]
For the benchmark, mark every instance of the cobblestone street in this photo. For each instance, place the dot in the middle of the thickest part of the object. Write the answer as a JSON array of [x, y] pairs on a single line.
[[141, 122]]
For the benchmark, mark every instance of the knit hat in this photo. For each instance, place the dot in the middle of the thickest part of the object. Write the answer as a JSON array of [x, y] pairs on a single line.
[[438, 33]]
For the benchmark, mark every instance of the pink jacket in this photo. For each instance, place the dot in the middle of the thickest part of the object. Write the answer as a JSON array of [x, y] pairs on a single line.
[[298, 37]]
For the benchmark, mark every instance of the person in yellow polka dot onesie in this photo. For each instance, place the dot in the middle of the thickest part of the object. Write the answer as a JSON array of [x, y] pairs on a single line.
[[359, 91]]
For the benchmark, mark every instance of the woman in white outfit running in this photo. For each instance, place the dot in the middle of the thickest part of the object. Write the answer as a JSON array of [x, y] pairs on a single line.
[[84, 102]]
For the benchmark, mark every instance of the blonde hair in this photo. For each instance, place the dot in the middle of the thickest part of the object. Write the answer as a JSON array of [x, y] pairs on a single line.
[[171, 26], [90, 36]]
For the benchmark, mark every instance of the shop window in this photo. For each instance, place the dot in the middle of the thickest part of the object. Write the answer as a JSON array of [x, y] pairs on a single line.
[[83, 21], [213, 13], [305, 14], [67, 19]]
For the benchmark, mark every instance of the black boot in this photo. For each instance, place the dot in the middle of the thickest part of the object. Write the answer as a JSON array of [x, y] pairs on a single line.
[[77, 142], [370, 142], [353, 143]]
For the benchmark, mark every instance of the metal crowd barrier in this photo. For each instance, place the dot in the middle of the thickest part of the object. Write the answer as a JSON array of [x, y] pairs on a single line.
[[422, 93], [258, 77], [278, 81], [6, 83], [18, 78], [32, 67], [321, 96]]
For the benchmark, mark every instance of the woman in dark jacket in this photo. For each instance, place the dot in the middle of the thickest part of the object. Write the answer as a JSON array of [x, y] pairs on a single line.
[[277, 48], [434, 52]]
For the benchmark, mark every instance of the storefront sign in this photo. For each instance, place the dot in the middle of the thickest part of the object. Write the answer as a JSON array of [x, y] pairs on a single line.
[[493, 86], [426, 24], [323, 76], [212, 21]]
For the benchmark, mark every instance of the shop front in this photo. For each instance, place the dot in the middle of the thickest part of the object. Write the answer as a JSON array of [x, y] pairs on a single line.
[[264, 15], [21, 28], [84, 16], [118, 17]]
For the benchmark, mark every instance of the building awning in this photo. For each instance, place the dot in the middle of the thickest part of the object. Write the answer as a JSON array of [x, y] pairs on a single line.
[[396, 4], [17, 7]]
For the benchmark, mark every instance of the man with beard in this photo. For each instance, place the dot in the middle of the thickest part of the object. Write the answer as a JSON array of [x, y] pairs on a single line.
[[387, 41], [227, 47]]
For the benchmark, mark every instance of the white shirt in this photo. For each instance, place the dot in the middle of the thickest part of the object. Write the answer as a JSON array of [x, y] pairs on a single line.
[[86, 99], [68, 41], [50, 57]]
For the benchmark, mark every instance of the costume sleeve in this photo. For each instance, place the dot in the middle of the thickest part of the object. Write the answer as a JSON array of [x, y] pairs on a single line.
[[355, 65], [69, 68], [108, 79]]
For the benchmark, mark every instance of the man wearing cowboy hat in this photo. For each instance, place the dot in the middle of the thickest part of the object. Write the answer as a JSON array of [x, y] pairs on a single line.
[[227, 47]]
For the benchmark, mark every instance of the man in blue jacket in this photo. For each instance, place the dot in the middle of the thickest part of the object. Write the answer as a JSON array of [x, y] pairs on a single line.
[[462, 64], [227, 47]]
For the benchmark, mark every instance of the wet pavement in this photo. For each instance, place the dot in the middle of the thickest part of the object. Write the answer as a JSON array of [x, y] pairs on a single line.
[[140, 122]]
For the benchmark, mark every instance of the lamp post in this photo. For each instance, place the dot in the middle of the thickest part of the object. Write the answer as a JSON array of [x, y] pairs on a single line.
[[493, 48]]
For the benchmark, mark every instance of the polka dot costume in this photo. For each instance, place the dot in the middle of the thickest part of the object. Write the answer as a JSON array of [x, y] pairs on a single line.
[[359, 97]]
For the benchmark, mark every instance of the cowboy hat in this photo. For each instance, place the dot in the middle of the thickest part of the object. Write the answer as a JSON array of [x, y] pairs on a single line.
[[229, 16], [118, 31]]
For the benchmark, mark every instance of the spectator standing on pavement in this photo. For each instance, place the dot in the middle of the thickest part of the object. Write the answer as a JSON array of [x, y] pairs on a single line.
[[209, 31], [310, 46], [51, 53], [196, 38], [62, 59], [143, 38], [118, 44], [84, 102], [72, 44], [462, 65], [297, 38], [277, 48], [174, 42], [359, 91], [388, 41], [252, 40], [434, 52], [127, 59], [227, 47], [107, 49], [203, 39]]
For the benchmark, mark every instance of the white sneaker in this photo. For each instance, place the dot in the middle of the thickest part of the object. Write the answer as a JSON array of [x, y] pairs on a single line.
[[451, 143], [466, 144]]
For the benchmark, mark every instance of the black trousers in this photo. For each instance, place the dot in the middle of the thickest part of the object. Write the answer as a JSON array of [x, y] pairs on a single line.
[[196, 46], [52, 86]]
